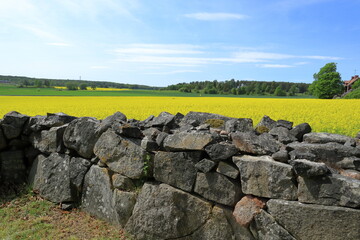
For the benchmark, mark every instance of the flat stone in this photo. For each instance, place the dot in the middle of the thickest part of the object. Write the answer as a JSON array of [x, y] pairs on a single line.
[[221, 151], [187, 141], [281, 156], [218, 188], [123, 155], [349, 163], [81, 136], [55, 182], [321, 137], [176, 168], [201, 117], [249, 142], [333, 190], [284, 123], [305, 168], [205, 165], [164, 212], [228, 170], [263, 177], [247, 208], [313, 222], [239, 124], [265, 227]]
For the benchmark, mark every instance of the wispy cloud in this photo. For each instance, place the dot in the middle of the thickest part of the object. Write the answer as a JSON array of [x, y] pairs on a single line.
[[100, 67], [59, 44], [173, 72], [158, 49], [275, 66], [266, 56], [205, 16]]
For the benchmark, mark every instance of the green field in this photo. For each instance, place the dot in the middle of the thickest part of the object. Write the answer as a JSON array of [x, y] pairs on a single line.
[[11, 90]]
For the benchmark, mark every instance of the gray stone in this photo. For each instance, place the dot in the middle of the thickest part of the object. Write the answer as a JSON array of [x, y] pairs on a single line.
[[218, 188], [328, 152], [105, 124], [216, 228], [249, 142], [205, 165], [98, 198], [351, 174], [176, 168], [299, 131], [56, 120], [128, 130], [78, 169], [334, 190], [49, 141], [122, 155], [160, 139], [151, 133], [36, 172], [305, 168], [300, 154], [351, 142], [265, 227], [55, 182], [321, 137], [3, 143], [263, 177], [33, 124], [313, 222], [124, 203], [267, 122], [149, 144], [187, 141], [13, 123], [240, 232], [240, 125], [164, 119], [221, 151], [122, 182], [349, 163], [81, 136], [164, 212], [283, 135], [227, 170], [18, 144], [281, 156], [247, 208], [284, 123], [200, 118], [12, 167]]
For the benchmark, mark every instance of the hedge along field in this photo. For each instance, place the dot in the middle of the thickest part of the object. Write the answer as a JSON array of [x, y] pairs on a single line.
[[335, 116]]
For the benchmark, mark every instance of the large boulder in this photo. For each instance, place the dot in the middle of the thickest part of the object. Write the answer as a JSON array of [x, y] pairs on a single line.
[[81, 136], [321, 137], [124, 203], [218, 188], [313, 222], [13, 123], [164, 119], [267, 123], [164, 212], [55, 178], [105, 124], [335, 190], [176, 168], [12, 167], [97, 198], [265, 227], [264, 177], [328, 152], [49, 141], [305, 168], [249, 142], [187, 141], [221, 151], [300, 130], [123, 155]]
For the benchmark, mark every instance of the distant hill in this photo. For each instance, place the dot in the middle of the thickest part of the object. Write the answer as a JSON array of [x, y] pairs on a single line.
[[242, 87], [27, 81]]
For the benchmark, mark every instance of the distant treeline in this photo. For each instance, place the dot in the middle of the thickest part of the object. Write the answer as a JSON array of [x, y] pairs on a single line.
[[242, 87], [44, 82]]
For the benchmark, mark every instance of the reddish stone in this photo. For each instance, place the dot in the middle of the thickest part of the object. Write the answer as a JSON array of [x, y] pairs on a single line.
[[247, 208]]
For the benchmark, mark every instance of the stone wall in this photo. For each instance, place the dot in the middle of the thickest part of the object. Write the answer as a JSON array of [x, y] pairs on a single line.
[[198, 176]]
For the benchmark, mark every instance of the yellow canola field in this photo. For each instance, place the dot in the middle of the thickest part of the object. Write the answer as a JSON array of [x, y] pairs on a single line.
[[335, 116]]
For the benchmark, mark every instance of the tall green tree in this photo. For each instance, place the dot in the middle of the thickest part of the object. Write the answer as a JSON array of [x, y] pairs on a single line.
[[327, 82]]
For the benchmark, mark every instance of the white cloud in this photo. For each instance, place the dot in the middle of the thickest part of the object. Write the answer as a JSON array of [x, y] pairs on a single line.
[[275, 66], [204, 16], [262, 56], [173, 72], [322, 57], [158, 49]]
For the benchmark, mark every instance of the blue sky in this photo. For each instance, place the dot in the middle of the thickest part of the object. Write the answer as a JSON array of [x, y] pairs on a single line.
[[163, 42]]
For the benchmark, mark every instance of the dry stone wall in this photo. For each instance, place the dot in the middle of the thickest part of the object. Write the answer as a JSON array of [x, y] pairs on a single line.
[[198, 176]]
